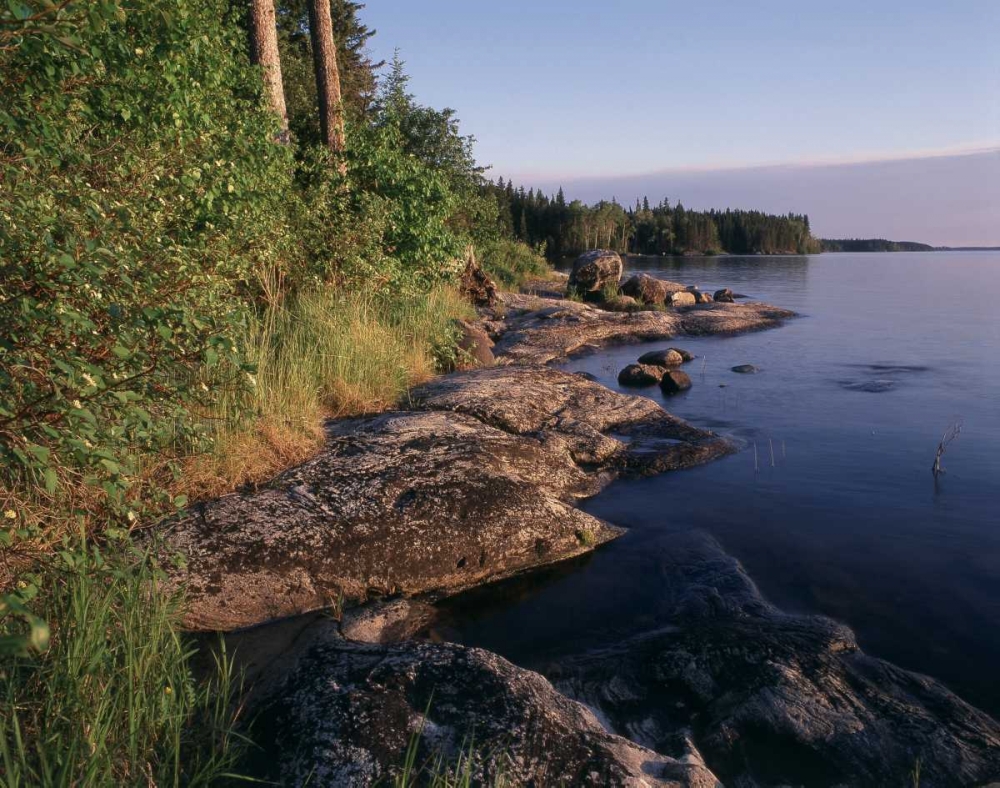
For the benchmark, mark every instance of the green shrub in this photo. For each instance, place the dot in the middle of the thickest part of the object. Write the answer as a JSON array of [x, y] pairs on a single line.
[[510, 262]]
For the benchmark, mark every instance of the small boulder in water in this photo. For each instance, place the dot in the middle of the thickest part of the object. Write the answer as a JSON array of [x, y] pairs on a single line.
[[746, 369], [675, 381], [664, 358], [683, 298], [724, 296], [640, 375]]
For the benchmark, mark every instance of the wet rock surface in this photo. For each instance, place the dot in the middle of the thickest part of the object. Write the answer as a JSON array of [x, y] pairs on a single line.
[[478, 483], [770, 699], [344, 714]]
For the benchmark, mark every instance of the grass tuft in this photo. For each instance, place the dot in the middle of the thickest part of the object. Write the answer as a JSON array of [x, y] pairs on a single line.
[[112, 700]]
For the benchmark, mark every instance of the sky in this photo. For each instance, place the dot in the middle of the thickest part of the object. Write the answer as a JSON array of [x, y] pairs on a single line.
[[700, 99]]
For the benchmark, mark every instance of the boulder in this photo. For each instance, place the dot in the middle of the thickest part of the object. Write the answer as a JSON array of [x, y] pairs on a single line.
[[771, 699], [646, 288], [475, 348], [702, 298], [683, 298], [684, 354], [746, 369], [477, 286], [344, 714], [639, 375], [724, 296], [595, 271], [674, 381], [664, 358], [477, 484]]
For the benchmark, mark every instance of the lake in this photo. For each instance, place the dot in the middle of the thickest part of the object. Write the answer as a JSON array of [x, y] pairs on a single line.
[[831, 504]]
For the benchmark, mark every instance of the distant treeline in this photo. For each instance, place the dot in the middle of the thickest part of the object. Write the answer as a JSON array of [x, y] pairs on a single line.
[[873, 245], [569, 228]]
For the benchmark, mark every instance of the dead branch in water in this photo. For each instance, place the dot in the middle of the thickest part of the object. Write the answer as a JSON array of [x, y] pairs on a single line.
[[950, 435]]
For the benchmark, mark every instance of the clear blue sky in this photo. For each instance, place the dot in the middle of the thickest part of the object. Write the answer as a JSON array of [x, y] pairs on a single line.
[[556, 90], [562, 88]]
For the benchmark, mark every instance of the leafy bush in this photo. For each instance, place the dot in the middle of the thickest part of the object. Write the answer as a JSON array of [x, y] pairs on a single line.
[[141, 192], [511, 262]]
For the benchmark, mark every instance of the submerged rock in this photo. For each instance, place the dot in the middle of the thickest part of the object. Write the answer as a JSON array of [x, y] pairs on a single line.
[[640, 375], [773, 699], [594, 271], [345, 714], [674, 381], [476, 485], [746, 369], [670, 357]]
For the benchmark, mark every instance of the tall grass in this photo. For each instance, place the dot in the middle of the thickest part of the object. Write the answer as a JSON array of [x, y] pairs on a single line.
[[113, 700], [318, 355]]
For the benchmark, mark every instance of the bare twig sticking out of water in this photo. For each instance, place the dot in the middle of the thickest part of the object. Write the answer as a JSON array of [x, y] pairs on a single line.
[[950, 435], [756, 464], [704, 363], [771, 444]]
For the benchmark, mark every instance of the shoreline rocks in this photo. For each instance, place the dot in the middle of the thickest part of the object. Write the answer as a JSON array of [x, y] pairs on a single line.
[[347, 712], [475, 484], [773, 699], [539, 331]]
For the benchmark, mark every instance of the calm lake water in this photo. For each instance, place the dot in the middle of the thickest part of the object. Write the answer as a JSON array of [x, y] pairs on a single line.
[[852, 398]]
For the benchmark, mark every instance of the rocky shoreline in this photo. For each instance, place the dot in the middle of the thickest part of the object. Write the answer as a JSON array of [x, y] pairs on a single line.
[[476, 480]]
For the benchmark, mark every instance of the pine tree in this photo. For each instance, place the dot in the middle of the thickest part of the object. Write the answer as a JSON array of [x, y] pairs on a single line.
[[331, 116], [264, 53]]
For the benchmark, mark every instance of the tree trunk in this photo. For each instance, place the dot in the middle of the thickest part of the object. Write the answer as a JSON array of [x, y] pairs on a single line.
[[331, 115], [264, 53]]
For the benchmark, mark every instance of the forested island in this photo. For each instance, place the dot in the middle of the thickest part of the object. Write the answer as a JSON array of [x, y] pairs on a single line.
[[873, 245], [562, 228]]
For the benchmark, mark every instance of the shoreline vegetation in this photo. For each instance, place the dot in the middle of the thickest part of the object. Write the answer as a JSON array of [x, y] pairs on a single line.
[[212, 263]]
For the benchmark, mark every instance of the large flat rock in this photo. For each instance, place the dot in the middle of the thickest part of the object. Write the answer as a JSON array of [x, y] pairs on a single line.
[[771, 699], [478, 484], [539, 330], [346, 713]]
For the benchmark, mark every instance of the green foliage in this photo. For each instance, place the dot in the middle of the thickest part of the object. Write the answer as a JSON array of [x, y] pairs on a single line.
[[139, 197], [511, 263], [112, 701]]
